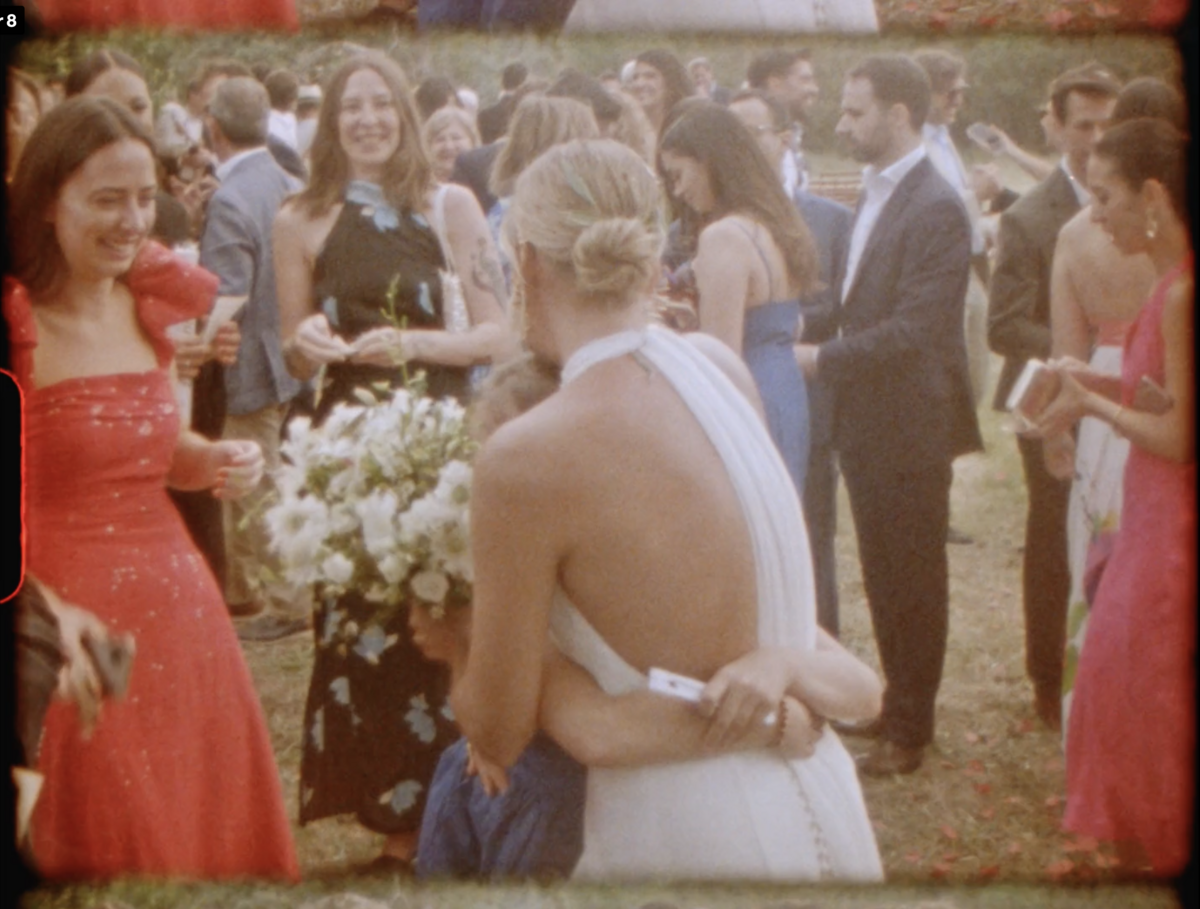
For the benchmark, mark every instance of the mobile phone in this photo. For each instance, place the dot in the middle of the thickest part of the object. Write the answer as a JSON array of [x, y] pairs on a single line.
[[1032, 393], [986, 136], [112, 658], [672, 684]]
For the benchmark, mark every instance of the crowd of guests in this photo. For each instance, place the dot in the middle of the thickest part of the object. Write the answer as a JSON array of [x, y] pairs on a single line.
[[852, 344]]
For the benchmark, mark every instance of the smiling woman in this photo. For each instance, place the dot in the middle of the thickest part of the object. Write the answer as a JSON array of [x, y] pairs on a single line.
[[448, 133], [104, 211], [355, 259], [88, 306]]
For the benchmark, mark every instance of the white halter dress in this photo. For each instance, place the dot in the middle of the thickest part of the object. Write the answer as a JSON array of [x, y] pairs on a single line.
[[745, 816], [723, 15]]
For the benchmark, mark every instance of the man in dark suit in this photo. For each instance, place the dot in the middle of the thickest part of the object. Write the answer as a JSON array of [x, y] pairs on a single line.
[[902, 395], [829, 223], [1081, 103], [236, 246], [788, 76]]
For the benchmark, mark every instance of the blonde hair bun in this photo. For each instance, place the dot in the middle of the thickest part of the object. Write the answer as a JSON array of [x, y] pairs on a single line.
[[592, 207], [615, 257]]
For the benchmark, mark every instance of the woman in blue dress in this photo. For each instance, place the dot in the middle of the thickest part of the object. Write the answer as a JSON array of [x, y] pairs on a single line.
[[755, 258]]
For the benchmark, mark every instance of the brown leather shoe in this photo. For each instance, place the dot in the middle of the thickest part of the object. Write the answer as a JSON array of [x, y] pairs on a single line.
[[1049, 711], [888, 759], [871, 729]]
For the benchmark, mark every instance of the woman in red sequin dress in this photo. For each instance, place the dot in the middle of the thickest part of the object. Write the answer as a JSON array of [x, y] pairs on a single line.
[[178, 778], [1130, 743], [215, 15]]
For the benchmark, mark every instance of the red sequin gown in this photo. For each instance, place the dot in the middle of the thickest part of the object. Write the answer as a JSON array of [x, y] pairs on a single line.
[[178, 779], [1132, 725], [215, 15]]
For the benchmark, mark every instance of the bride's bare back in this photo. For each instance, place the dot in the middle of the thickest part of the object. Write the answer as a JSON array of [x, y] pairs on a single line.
[[611, 490]]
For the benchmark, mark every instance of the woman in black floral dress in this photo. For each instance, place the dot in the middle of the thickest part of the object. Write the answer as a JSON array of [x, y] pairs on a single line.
[[355, 257]]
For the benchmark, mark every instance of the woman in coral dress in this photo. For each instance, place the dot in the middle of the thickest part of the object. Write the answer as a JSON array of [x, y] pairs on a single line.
[[217, 15], [1132, 723], [177, 779]]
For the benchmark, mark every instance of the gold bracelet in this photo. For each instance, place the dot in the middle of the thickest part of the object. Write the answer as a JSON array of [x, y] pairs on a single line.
[[781, 718], [1115, 417]]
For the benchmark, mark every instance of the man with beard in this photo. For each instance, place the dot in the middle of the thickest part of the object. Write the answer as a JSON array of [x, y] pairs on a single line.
[[788, 77], [902, 395]]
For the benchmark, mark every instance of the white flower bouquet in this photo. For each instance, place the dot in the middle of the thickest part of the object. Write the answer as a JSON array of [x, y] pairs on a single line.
[[376, 500]]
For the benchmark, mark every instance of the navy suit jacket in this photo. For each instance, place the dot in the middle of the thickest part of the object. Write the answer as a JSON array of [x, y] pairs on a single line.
[[902, 392], [1019, 298], [830, 224], [236, 247], [473, 169]]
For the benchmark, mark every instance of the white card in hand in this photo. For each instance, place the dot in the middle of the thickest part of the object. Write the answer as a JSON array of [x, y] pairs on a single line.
[[223, 310], [672, 684]]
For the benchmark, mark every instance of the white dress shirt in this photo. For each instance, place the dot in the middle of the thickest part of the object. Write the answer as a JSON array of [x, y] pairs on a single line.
[[1081, 191], [282, 125], [878, 186], [944, 156]]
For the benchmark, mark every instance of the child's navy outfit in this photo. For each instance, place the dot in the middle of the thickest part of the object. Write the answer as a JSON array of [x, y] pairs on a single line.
[[533, 830]]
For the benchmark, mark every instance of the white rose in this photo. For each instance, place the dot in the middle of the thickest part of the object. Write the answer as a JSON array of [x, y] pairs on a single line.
[[338, 569], [393, 567], [376, 512], [430, 586]]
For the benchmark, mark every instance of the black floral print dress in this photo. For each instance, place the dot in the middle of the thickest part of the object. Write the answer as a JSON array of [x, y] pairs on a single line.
[[377, 716]]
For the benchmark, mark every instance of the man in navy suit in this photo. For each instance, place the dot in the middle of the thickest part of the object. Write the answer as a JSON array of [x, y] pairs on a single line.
[[829, 223], [236, 246], [902, 396], [1081, 102]]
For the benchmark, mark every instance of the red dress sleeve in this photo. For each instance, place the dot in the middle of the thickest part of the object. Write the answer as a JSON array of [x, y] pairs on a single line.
[[22, 330], [167, 291]]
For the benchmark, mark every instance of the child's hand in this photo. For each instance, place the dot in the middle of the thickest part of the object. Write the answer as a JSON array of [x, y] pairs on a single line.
[[491, 776], [444, 640]]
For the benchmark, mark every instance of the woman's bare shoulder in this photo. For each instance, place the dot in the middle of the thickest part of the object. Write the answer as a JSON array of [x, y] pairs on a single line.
[[1180, 297], [725, 359], [295, 227], [729, 232], [534, 450]]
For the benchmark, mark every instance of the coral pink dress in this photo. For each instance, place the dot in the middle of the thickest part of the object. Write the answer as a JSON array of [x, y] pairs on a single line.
[[217, 15], [178, 779], [1132, 724]]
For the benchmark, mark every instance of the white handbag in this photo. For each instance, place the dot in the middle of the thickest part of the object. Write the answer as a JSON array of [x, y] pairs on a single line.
[[454, 304]]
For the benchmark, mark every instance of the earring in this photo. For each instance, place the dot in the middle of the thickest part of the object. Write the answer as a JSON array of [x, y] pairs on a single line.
[[1151, 226]]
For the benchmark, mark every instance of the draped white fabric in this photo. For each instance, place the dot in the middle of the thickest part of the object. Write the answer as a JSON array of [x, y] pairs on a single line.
[[752, 816], [724, 15]]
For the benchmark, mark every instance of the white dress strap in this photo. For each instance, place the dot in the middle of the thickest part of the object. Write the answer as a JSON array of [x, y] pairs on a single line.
[[608, 347]]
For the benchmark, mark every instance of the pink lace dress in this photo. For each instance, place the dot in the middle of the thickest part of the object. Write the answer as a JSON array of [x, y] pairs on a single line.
[[178, 779], [1132, 725]]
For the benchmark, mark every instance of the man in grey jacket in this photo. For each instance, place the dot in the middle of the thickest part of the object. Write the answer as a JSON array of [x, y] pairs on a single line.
[[236, 246]]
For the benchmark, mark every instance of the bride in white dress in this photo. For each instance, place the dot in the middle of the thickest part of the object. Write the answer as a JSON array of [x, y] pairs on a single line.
[[642, 517], [723, 15]]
